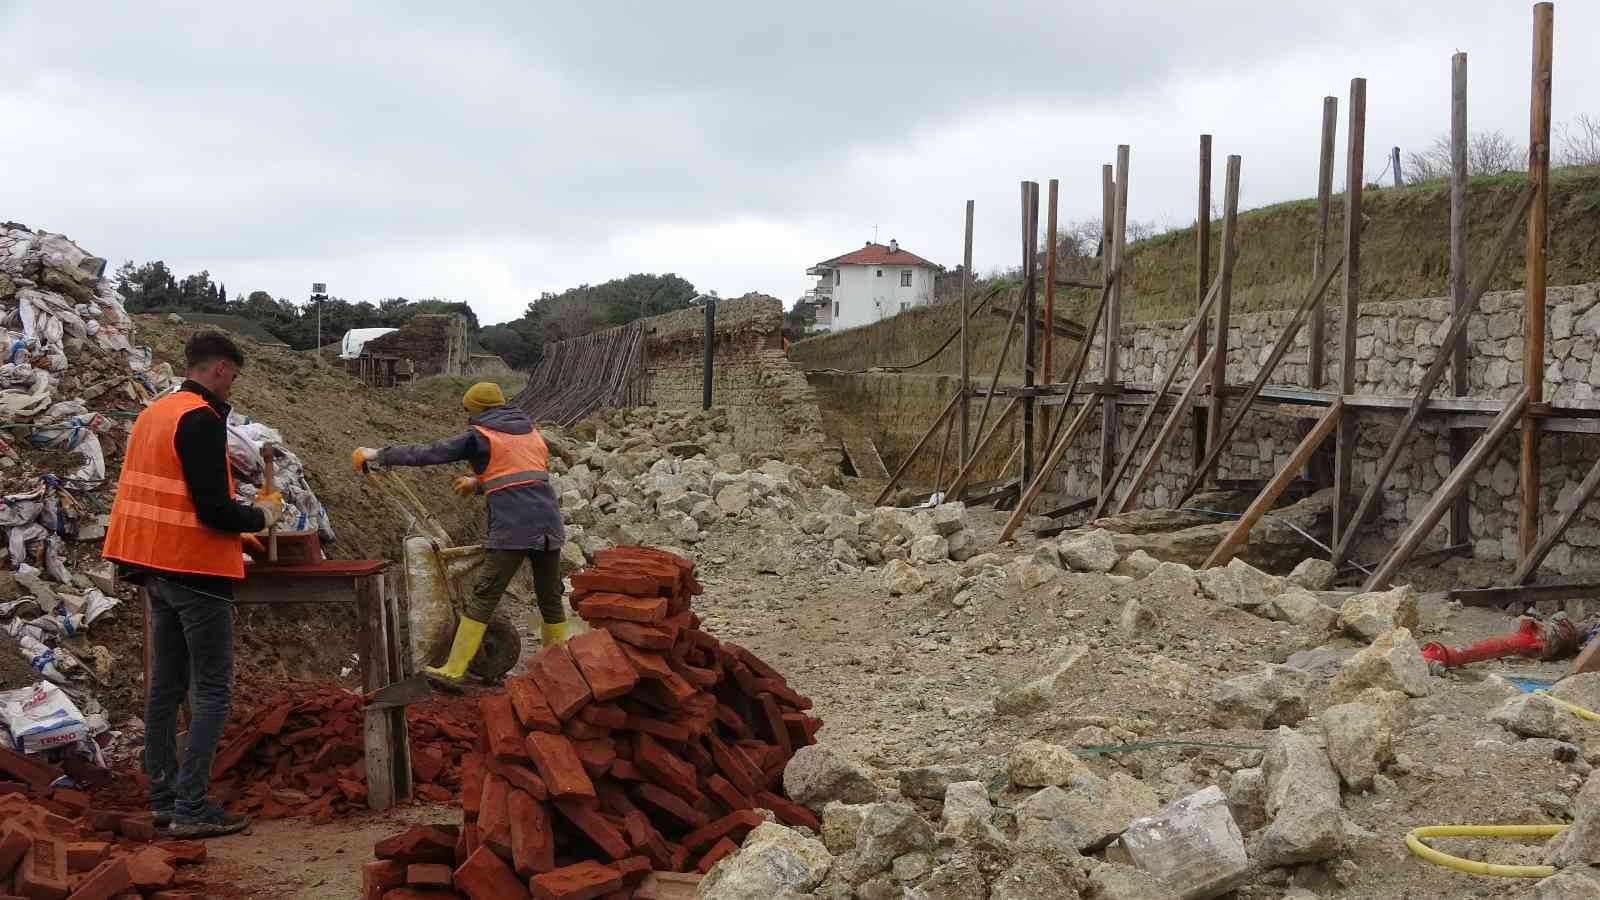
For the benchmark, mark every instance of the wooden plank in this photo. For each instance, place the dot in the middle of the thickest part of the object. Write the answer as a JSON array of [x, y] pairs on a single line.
[[1219, 337], [1168, 428], [283, 590], [377, 739], [966, 381], [1112, 349], [1354, 179], [944, 447], [1202, 253], [1430, 379], [1030, 326], [949, 408], [1533, 289], [399, 668], [1236, 539], [1048, 363], [1196, 326], [1460, 519], [1050, 463], [1547, 541], [1457, 482], [1279, 349], [960, 482], [1498, 597], [1317, 371]]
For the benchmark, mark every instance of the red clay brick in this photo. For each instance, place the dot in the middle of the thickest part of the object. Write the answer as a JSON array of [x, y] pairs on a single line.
[[35, 773], [778, 731], [151, 869], [429, 875], [501, 725], [595, 827], [85, 855], [669, 886], [494, 816], [600, 661], [788, 811], [485, 877], [633, 869], [596, 756], [42, 875], [14, 844], [531, 706], [725, 793], [381, 876], [645, 610], [644, 837], [648, 663], [107, 880], [605, 715], [786, 695], [734, 722], [667, 731], [140, 827], [579, 730], [415, 893], [523, 779], [418, 844], [665, 768], [735, 766], [184, 853], [583, 881], [560, 767], [625, 770], [718, 851], [473, 769], [614, 582], [426, 763], [675, 807], [645, 637], [734, 826], [468, 843], [76, 802], [533, 843], [552, 670]]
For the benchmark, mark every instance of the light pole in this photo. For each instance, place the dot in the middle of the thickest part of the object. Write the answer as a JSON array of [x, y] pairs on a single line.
[[319, 293]]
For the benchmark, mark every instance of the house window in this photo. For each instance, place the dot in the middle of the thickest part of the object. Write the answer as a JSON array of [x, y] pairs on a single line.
[[880, 273], [905, 278], [837, 274]]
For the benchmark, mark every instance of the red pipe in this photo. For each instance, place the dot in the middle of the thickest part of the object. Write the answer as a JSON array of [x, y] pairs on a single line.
[[1533, 639]]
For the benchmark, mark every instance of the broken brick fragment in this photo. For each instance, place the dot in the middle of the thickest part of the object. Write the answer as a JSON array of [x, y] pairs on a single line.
[[85, 855], [109, 879], [582, 881], [558, 679], [484, 876], [429, 875], [426, 763], [418, 844], [380, 876], [151, 869]]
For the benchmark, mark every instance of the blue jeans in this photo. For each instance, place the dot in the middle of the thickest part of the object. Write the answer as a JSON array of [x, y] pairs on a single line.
[[191, 651]]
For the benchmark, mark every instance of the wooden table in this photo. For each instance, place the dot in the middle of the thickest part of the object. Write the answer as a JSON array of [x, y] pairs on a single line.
[[358, 583]]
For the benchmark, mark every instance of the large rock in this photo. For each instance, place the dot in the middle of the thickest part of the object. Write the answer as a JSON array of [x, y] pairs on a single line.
[[1534, 716], [1035, 877], [966, 802], [817, 775], [1365, 616], [930, 548], [1275, 544], [890, 830], [1240, 585], [949, 518], [1090, 551], [1576, 883], [1089, 811], [1393, 662], [1298, 606], [1035, 764], [1362, 735], [1115, 881], [1273, 696], [930, 782], [1137, 564], [734, 498], [901, 578], [1191, 845], [774, 862], [1579, 845], [1247, 799], [1302, 800], [1313, 574], [1170, 582], [1050, 681], [1582, 689], [959, 879]]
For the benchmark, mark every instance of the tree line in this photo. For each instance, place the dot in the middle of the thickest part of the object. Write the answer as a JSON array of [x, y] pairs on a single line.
[[153, 288]]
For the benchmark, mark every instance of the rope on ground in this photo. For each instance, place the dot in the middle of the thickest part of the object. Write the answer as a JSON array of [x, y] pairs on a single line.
[[1473, 867]]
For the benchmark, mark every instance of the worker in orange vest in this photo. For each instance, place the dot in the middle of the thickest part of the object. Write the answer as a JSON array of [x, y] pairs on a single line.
[[510, 467], [177, 531]]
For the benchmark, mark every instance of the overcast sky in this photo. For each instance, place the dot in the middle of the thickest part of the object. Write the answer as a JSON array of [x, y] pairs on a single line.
[[490, 151]]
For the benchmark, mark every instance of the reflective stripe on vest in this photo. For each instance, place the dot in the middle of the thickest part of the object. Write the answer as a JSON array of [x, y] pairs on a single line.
[[153, 519], [514, 459]]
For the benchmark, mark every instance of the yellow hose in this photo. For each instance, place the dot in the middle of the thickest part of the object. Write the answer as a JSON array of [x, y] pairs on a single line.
[[1573, 708], [1472, 867]]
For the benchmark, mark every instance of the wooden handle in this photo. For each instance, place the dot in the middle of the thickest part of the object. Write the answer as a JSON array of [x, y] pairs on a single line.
[[267, 453]]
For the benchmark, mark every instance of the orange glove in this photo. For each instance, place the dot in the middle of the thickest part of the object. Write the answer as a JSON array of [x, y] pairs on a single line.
[[361, 457], [465, 485]]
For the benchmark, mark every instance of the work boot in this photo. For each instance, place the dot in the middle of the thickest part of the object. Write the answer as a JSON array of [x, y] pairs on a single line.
[[553, 633], [162, 817], [469, 635], [214, 822]]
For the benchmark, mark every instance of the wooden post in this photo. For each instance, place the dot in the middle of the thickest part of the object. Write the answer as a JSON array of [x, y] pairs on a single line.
[[1219, 338], [1533, 323], [1236, 539], [1460, 441], [1048, 365], [377, 737], [966, 382], [1394, 162], [1457, 482], [1030, 325], [1317, 371], [1547, 541], [1202, 253], [944, 447], [1112, 374], [1345, 444]]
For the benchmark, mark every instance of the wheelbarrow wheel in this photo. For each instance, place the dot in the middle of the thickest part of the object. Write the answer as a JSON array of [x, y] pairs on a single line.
[[501, 649]]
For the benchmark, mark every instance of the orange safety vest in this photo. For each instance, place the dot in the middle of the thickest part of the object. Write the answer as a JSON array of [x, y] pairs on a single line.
[[514, 459], [153, 522]]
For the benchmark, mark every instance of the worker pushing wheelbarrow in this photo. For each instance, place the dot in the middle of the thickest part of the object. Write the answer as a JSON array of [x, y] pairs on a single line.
[[510, 468]]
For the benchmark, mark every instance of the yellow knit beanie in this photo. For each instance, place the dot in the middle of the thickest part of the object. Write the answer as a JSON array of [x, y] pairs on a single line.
[[481, 396]]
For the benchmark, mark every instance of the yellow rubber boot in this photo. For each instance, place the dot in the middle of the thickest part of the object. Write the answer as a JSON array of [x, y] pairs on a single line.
[[469, 635], [553, 633]]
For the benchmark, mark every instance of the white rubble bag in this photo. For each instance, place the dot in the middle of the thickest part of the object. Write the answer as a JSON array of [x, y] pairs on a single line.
[[41, 717]]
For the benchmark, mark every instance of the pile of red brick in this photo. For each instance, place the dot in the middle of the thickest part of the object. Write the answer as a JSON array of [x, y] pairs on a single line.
[[54, 844], [300, 754], [643, 747]]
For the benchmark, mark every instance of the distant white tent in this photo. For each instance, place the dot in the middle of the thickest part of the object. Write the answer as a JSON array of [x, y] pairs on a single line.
[[356, 338]]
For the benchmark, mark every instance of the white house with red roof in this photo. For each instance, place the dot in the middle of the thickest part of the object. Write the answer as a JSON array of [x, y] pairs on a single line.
[[872, 283]]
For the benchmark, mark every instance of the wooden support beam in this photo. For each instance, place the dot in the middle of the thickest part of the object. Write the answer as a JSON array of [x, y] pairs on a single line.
[[966, 381], [1202, 253], [1586, 491], [1196, 326], [1049, 332], [1236, 539], [1168, 428], [1280, 348], [1503, 597], [1219, 338], [1453, 486], [1059, 327], [1111, 372], [1430, 378], [1344, 453], [1460, 519], [960, 482], [1051, 461], [999, 366], [905, 464], [1317, 371], [1533, 320], [1030, 325], [944, 447]]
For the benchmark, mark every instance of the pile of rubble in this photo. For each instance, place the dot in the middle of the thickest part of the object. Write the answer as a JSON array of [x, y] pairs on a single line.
[[642, 746], [55, 843]]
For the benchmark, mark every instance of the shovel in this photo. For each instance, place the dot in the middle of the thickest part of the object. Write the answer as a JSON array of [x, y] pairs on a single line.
[[406, 691]]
